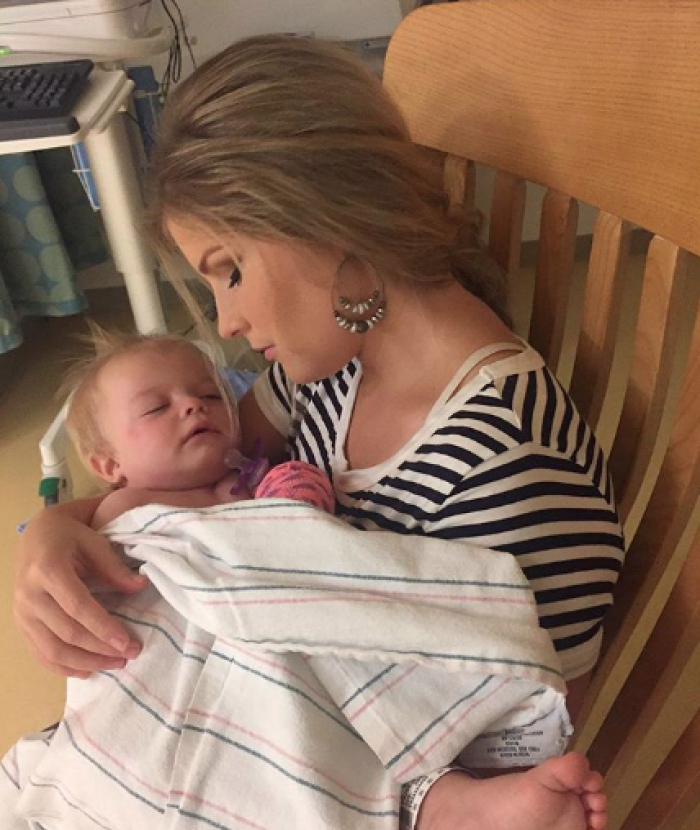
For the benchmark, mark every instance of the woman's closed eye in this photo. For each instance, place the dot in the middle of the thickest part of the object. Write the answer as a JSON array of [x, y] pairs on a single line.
[[235, 277]]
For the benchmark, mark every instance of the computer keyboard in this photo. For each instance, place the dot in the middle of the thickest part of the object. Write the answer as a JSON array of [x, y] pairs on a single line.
[[36, 100]]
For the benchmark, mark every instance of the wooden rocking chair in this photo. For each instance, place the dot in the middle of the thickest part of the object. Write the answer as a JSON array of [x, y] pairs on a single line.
[[599, 102]]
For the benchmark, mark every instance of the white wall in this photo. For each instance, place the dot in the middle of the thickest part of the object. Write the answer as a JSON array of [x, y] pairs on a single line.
[[533, 206], [215, 24]]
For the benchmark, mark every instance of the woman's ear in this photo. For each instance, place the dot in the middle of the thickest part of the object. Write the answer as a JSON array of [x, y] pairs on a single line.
[[107, 468]]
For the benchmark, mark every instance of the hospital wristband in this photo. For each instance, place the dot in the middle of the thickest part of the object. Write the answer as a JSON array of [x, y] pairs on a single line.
[[413, 793]]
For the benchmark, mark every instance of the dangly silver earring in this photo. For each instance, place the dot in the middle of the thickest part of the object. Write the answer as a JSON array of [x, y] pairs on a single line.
[[358, 316]]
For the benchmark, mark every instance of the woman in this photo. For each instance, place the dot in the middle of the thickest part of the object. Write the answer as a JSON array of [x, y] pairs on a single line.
[[286, 178]]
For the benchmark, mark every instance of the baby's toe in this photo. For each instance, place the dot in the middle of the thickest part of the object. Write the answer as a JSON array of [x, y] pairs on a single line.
[[594, 802]]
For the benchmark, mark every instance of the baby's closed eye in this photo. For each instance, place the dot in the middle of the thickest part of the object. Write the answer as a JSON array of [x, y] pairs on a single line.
[[154, 408]]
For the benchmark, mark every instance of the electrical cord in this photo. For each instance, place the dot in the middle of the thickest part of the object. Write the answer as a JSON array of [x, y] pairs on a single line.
[[173, 70], [141, 127]]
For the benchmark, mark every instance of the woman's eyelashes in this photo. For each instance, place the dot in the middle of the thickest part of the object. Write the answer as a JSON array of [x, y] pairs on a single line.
[[235, 277]]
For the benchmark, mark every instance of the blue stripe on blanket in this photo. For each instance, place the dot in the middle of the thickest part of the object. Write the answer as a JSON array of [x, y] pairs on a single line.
[[287, 774], [108, 774], [42, 786], [349, 575], [259, 506], [7, 772], [367, 685], [419, 737], [141, 704], [243, 667], [430, 655]]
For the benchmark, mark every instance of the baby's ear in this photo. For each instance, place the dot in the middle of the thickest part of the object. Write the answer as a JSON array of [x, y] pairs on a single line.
[[106, 467]]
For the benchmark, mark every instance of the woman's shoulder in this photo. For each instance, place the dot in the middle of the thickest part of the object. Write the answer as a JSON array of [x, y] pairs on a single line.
[[514, 402]]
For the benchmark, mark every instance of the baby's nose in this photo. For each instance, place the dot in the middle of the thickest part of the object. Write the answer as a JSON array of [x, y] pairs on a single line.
[[194, 405]]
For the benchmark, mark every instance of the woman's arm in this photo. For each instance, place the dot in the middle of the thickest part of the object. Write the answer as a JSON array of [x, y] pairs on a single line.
[[118, 502], [127, 498], [66, 629]]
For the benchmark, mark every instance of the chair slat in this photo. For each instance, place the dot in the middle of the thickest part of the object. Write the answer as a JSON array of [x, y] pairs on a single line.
[[672, 706], [639, 621], [506, 226], [555, 269], [692, 820], [657, 553], [599, 100], [673, 613], [673, 795], [567, 98], [666, 321], [600, 351], [675, 495], [460, 181]]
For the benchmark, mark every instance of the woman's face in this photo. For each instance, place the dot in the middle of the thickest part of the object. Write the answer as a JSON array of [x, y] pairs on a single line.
[[275, 294]]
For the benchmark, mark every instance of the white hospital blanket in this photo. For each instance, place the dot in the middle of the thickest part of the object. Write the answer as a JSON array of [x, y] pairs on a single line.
[[295, 672]]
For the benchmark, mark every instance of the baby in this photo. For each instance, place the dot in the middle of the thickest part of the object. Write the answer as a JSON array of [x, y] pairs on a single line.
[[150, 416]]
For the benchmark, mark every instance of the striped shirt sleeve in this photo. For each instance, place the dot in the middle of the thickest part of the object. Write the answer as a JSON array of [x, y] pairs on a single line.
[[546, 509]]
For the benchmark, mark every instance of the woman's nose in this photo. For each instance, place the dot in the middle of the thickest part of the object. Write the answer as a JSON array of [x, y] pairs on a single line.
[[230, 320], [229, 323], [229, 329]]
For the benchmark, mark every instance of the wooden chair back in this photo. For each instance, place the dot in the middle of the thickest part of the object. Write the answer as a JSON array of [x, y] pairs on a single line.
[[599, 103]]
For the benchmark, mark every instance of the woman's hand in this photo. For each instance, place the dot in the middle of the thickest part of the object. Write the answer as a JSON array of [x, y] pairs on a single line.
[[66, 629]]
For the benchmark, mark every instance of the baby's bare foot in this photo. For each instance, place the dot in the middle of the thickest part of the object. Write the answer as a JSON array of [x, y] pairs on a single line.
[[560, 794]]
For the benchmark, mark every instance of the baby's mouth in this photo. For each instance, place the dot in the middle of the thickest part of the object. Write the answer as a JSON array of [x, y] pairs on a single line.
[[201, 430]]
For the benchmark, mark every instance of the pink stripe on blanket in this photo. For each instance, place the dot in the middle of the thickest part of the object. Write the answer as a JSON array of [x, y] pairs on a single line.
[[384, 597], [165, 706], [318, 691], [167, 520], [12, 760], [69, 798], [209, 716], [165, 619], [72, 718], [421, 756], [195, 799], [382, 691]]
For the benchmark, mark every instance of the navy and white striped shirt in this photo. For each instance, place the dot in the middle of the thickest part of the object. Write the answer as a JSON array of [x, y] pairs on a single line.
[[504, 462]]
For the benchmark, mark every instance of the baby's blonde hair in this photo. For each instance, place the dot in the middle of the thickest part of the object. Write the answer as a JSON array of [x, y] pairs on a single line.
[[80, 386], [281, 137]]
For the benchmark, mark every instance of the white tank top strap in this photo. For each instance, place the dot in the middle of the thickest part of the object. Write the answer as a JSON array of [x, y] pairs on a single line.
[[468, 366]]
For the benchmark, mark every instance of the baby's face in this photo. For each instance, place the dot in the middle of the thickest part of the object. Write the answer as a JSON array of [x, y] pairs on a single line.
[[164, 419]]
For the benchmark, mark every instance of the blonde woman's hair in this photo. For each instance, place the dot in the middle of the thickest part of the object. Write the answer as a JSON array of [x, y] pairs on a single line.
[[280, 137], [80, 386]]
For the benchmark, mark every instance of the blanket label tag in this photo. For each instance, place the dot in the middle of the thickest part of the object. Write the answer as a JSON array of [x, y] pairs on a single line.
[[520, 746]]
